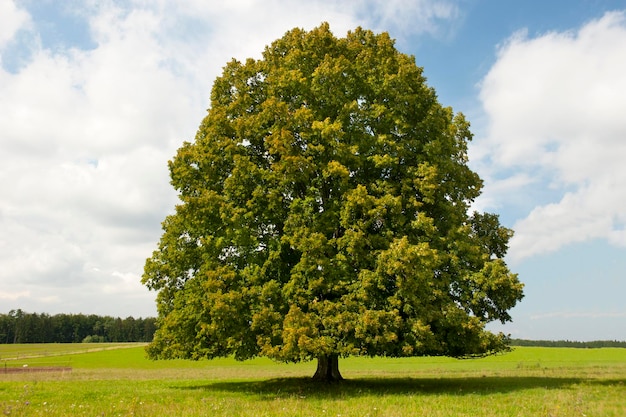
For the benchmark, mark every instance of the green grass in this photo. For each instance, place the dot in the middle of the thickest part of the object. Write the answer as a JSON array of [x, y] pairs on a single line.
[[121, 382]]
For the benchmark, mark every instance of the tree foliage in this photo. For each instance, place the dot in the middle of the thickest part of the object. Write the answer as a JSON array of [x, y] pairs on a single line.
[[324, 213]]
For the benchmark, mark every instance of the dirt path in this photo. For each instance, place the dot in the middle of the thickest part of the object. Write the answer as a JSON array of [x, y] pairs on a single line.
[[21, 370]]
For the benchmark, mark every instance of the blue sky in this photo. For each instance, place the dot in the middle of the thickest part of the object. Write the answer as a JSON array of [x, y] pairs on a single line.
[[95, 97]]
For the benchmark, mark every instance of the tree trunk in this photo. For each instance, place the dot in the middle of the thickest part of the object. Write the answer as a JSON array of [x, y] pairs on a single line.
[[328, 369]]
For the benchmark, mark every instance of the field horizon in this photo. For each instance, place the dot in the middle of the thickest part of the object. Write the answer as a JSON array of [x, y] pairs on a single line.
[[118, 380]]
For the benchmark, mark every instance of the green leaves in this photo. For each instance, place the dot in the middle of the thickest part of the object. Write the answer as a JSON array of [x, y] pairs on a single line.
[[324, 212]]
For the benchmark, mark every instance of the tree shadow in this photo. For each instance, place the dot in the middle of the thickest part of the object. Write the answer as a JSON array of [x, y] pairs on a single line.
[[307, 388]]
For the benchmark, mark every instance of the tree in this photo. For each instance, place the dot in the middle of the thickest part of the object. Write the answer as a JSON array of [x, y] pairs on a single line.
[[324, 213]]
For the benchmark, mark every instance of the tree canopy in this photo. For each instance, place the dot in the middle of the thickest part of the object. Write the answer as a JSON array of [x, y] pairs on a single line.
[[324, 212]]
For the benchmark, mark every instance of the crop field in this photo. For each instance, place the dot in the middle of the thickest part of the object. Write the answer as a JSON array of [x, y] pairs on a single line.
[[117, 380]]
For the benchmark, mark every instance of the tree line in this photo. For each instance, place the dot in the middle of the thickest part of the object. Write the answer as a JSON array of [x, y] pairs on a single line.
[[569, 343], [21, 327]]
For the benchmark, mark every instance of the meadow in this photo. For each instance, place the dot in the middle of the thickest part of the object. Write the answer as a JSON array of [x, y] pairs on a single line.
[[117, 380]]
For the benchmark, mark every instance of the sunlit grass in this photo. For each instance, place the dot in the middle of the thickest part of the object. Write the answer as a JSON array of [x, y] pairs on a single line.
[[10, 352], [525, 382]]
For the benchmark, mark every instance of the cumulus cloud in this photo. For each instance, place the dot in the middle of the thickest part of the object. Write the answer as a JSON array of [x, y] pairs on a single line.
[[555, 107], [12, 19], [87, 128], [411, 16]]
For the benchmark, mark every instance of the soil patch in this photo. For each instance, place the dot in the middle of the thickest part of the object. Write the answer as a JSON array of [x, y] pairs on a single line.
[[28, 369]]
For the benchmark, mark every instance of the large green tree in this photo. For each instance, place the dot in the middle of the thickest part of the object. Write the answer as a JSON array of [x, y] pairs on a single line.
[[324, 213]]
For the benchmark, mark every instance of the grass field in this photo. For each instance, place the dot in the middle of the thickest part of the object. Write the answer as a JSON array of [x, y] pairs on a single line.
[[117, 380]]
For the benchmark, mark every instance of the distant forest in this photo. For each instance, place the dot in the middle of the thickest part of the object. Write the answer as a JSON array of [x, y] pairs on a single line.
[[569, 343], [20, 327]]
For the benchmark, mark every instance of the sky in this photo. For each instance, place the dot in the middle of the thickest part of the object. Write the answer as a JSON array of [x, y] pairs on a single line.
[[97, 96]]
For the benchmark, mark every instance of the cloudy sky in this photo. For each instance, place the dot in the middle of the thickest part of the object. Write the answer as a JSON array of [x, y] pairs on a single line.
[[96, 96]]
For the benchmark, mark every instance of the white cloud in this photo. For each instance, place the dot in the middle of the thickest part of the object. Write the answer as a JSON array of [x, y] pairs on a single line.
[[12, 19], [86, 133], [555, 107], [13, 295], [410, 16], [494, 189]]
